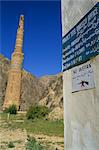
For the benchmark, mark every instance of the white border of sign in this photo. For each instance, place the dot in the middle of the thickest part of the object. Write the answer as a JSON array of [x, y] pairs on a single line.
[[83, 77]]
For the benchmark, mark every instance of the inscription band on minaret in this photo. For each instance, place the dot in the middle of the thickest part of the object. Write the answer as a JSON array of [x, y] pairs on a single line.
[[13, 89]]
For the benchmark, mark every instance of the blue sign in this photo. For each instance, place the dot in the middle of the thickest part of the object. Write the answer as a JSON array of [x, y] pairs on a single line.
[[81, 43]]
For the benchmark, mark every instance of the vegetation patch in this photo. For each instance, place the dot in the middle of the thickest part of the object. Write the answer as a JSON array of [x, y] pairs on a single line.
[[32, 144], [39, 126], [36, 126], [11, 110], [37, 112], [11, 117], [11, 145]]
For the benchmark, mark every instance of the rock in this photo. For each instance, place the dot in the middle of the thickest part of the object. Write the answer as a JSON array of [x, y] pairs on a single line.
[[56, 114], [31, 90], [53, 98], [4, 67]]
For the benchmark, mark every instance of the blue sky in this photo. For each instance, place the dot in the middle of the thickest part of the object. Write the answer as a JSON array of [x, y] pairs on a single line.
[[42, 34]]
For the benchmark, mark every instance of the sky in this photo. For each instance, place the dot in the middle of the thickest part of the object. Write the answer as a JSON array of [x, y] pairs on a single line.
[[42, 45]]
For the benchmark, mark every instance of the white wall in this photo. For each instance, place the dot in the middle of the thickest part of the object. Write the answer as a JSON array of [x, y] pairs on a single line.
[[81, 109], [73, 11]]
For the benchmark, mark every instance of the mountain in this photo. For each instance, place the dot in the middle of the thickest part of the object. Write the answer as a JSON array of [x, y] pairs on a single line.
[[53, 97], [4, 67], [46, 90]]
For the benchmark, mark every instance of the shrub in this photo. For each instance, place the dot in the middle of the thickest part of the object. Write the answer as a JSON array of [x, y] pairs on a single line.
[[37, 112], [32, 144], [11, 145], [12, 109]]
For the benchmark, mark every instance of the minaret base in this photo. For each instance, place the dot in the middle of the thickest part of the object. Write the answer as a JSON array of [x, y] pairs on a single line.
[[13, 89]]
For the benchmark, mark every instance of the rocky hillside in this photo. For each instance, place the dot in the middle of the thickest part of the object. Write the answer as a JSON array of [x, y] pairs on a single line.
[[4, 67], [31, 90], [53, 97], [46, 90]]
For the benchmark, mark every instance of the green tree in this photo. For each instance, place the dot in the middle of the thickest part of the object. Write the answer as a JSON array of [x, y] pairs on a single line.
[[37, 112]]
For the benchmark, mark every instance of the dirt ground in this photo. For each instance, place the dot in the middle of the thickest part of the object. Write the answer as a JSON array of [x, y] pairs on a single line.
[[19, 139]]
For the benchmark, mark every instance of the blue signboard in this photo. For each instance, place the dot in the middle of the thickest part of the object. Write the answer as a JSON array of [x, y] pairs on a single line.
[[81, 43]]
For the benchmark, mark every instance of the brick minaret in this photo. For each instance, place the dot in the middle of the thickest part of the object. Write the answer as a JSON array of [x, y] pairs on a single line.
[[14, 75]]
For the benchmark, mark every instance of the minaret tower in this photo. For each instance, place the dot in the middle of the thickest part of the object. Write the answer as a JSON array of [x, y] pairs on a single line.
[[12, 95]]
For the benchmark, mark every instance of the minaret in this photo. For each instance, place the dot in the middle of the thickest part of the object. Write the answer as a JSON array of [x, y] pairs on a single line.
[[12, 95]]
